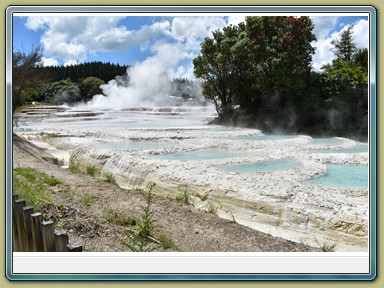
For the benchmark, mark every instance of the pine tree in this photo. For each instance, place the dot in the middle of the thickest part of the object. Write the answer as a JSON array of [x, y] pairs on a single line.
[[344, 47]]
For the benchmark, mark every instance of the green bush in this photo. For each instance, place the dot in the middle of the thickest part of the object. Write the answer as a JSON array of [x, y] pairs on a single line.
[[118, 218], [166, 242], [91, 170]]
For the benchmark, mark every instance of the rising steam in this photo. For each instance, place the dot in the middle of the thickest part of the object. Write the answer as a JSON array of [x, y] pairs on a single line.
[[147, 84]]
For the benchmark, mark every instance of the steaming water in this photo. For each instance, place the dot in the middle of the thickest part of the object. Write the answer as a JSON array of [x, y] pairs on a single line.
[[343, 176], [267, 166]]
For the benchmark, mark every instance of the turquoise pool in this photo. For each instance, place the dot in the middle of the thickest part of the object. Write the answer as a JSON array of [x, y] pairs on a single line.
[[347, 176], [267, 166], [199, 155]]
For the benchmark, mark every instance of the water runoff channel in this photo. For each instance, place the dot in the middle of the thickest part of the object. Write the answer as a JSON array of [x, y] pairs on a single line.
[[291, 186]]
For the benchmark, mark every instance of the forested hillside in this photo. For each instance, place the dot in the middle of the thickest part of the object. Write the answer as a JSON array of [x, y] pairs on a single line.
[[104, 71]]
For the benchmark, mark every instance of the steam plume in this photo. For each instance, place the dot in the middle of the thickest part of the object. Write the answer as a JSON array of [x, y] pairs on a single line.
[[147, 83]]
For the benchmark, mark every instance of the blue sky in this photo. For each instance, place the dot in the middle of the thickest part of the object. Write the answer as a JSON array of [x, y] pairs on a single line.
[[171, 42]]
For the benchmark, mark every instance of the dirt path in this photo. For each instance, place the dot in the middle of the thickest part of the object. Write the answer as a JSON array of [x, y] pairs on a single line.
[[84, 205]]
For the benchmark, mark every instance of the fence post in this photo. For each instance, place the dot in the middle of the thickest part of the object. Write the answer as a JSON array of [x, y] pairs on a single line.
[[20, 203], [27, 211], [15, 238], [31, 234], [74, 248], [48, 227], [37, 236], [61, 241]]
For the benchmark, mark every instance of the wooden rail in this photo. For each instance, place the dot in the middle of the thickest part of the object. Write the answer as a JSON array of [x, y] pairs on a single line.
[[32, 234]]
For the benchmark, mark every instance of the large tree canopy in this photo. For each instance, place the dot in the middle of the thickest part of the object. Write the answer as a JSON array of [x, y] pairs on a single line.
[[262, 64], [259, 73]]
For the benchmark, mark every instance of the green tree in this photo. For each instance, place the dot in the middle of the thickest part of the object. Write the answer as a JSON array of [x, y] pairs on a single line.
[[63, 91], [281, 57], [32, 94], [361, 58], [258, 67], [282, 52], [90, 87], [344, 46], [345, 87], [25, 74], [214, 65]]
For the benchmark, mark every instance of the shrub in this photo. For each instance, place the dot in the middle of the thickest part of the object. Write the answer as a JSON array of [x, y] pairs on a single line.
[[109, 177], [91, 170], [166, 242], [212, 208], [183, 195], [115, 217]]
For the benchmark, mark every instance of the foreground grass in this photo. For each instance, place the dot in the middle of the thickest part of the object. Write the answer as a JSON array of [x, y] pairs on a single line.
[[33, 186]]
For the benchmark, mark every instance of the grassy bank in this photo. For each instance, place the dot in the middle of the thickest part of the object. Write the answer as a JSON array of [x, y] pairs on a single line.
[[34, 186]]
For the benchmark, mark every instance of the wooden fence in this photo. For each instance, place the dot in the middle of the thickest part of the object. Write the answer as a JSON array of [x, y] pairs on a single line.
[[32, 234]]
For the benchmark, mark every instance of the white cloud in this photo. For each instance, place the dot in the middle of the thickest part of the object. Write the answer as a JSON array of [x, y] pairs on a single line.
[[234, 20], [360, 33], [323, 54], [325, 32], [36, 22], [49, 61], [75, 37], [324, 25], [63, 50], [192, 30]]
